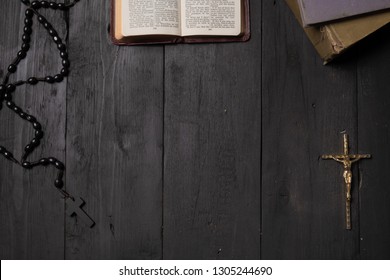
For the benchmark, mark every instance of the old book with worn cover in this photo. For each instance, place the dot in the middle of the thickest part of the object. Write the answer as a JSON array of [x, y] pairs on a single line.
[[330, 40], [138, 22], [319, 11]]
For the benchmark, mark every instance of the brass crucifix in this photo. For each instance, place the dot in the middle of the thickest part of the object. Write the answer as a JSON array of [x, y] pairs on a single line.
[[347, 160]]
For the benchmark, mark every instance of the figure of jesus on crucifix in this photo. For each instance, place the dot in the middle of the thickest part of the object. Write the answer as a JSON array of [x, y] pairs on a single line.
[[347, 160]]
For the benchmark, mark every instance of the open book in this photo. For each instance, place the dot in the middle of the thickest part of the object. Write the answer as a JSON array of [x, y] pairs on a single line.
[[179, 21]]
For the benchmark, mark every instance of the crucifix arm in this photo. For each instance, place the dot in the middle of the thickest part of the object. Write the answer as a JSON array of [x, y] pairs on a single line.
[[332, 157], [355, 158], [336, 159]]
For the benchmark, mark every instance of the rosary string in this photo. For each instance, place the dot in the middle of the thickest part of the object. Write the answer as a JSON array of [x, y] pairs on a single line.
[[7, 89]]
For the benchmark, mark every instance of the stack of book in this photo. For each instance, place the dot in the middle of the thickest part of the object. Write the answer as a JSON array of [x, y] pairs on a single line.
[[333, 26]]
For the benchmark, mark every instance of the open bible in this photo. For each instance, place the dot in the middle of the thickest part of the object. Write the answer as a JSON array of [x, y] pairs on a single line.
[[137, 22]]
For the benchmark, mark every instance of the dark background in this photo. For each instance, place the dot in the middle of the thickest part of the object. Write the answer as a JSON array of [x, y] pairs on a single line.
[[196, 151]]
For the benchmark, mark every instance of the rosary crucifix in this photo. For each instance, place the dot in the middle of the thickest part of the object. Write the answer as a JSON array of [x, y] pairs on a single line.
[[347, 160]]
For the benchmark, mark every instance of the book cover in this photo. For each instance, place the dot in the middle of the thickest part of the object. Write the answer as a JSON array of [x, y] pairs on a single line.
[[318, 11], [331, 40]]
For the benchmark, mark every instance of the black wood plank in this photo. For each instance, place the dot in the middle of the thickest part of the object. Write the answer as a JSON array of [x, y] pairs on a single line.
[[212, 149], [114, 140], [305, 107], [31, 210], [374, 133]]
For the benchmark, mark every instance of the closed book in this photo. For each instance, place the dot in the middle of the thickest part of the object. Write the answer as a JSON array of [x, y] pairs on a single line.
[[331, 40], [319, 11]]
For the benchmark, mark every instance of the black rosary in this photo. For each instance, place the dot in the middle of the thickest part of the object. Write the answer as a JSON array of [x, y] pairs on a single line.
[[7, 89]]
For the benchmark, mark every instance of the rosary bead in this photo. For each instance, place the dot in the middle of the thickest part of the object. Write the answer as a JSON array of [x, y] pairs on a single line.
[[58, 184], [64, 72], [42, 19], [30, 118], [61, 47], [44, 4], [58, 78], [66, 63], [49, 79], [61, 6], [12, 68], [28, 148], [56, 39], [7, 96], [25, 47], [39, 134], [51, 160], [59, 165], [26, 2], [52, 32], [29, 13], [27, 30], [11, 88], [37, 126], [28, 21], [35, 142], [53, 5], [8, 155], [44, 161], [16, 109], [22, 54], [36, 5], [64, 55], [60, 174], [22, 114], [27, 165], [26, 38], [47, 25], [2, 89], [32, 81]]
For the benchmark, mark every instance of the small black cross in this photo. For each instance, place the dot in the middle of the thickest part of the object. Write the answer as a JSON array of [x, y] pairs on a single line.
[[74, 207]]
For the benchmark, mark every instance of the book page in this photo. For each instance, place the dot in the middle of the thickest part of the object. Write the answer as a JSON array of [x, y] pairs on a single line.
[[150, 17], [211, 17]]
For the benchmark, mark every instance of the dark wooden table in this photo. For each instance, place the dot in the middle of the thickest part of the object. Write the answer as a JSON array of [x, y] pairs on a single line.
[[196, 151]]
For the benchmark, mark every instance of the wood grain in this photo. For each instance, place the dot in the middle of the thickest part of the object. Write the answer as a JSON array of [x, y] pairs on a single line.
[[114, 140], [305, 107], [212, 149], [31, 209], [374, 135]]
